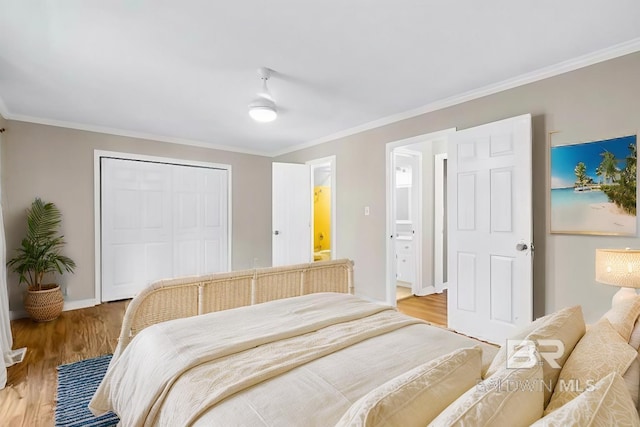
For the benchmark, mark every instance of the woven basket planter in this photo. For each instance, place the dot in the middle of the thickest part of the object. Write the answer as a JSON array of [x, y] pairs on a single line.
[[44, 305]]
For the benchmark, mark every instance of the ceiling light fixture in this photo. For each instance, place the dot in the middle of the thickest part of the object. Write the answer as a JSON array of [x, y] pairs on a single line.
[[263, 108]]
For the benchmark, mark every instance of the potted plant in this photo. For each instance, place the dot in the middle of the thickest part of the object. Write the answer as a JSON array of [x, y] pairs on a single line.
[[38, 255]]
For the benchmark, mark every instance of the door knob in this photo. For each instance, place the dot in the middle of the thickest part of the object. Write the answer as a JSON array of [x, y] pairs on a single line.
[[276, 232], [521, 247]]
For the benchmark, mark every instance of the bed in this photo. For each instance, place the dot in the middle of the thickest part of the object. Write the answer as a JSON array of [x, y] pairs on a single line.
[[285, 346]]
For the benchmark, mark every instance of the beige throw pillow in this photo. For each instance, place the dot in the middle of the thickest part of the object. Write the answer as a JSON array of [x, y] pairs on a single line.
[[634, 339], [500, 358], [606, 404], [417, 396], [510, 397], [623, 316], [602, 350], [566, 325], [632, 379]]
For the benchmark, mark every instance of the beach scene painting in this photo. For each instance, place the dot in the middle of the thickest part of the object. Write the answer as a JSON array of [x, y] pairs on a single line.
[[593, 187]]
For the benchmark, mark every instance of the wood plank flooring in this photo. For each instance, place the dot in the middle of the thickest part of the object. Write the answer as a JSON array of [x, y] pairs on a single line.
[[29, 398], [432, 308]]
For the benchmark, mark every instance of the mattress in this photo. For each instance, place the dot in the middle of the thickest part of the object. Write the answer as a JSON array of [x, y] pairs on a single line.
[[297, 361]]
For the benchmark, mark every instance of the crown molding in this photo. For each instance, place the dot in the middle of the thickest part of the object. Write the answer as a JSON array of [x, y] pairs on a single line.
[[583, 61], [133, 134]]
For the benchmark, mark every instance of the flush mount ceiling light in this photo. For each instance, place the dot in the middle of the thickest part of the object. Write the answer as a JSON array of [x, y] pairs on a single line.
[[263, 108]]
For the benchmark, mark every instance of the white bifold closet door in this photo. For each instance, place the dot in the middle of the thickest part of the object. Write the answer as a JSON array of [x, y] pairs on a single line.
[[160, 221]]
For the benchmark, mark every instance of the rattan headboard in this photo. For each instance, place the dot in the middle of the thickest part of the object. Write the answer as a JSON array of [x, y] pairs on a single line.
[[190, 296]]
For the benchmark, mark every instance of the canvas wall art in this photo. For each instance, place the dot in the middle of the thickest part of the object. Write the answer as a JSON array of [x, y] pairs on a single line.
[[593, 187]]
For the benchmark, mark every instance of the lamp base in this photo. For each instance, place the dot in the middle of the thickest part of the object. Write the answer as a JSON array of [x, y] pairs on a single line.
[[623, 294]]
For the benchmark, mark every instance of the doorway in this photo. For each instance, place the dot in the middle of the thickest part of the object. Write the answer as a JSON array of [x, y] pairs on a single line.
[[303, 230], [322, 172], [407, 212], [411, 244]]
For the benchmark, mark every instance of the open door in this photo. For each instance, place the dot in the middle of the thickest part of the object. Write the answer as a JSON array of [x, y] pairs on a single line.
[[291, 214], [490, 229]]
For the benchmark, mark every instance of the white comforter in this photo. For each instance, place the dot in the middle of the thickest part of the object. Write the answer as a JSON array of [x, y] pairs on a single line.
[[205, 370]]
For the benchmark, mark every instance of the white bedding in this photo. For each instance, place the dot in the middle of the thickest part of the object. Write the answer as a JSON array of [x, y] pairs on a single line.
[[298, 361]]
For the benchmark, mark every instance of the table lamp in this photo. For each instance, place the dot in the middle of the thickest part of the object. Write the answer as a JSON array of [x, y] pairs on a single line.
[[619, 267]]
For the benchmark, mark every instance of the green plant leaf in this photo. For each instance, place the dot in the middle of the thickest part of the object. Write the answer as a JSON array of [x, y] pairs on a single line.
[[39, 252]]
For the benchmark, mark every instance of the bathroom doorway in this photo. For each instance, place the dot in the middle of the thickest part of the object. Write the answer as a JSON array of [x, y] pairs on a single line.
[[407, 213], [323, 193], [417, 242]]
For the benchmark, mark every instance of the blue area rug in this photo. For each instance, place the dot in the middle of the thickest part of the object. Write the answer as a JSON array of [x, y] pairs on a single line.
[[76, 384]]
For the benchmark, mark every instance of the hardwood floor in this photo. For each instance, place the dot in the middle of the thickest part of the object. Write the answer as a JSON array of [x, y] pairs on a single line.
[[432, 308], [29, 397]]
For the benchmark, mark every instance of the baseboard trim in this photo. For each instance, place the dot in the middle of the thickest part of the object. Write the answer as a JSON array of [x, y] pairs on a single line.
[[83, 303], [68, 305], [17, 314], [367, 298], [427, 290]]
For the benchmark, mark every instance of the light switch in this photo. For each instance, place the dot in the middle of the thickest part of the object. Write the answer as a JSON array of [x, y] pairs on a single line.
[[366, 210]]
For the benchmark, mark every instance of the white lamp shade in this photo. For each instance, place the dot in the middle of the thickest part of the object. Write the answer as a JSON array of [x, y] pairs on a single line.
[[618, 267]]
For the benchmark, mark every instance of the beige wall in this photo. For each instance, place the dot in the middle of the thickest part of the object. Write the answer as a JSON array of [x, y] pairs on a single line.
[[3, 124], [595, 102], [56, 164]]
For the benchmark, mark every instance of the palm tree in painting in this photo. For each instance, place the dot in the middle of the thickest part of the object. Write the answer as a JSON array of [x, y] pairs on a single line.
[[624, 193], [581, 175], [630, 169], [599, 174], [609, 166]]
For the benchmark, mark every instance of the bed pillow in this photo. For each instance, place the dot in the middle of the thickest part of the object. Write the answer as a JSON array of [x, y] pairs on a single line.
[[566, 325], [510, 397], [634, 340], [417, 396], [500, 358], [601, 351], [623, 316], [606, 404], [632, 380]]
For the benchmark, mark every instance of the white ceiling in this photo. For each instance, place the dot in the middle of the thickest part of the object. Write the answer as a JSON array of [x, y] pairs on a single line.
[[185, 71]]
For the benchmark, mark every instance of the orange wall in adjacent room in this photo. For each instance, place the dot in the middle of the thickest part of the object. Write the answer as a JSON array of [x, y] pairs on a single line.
[[321, 218]]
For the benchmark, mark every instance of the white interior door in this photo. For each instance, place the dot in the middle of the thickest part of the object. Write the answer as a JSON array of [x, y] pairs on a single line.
[[291, 213], [199, 220], [159, 221], [490, 229]]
